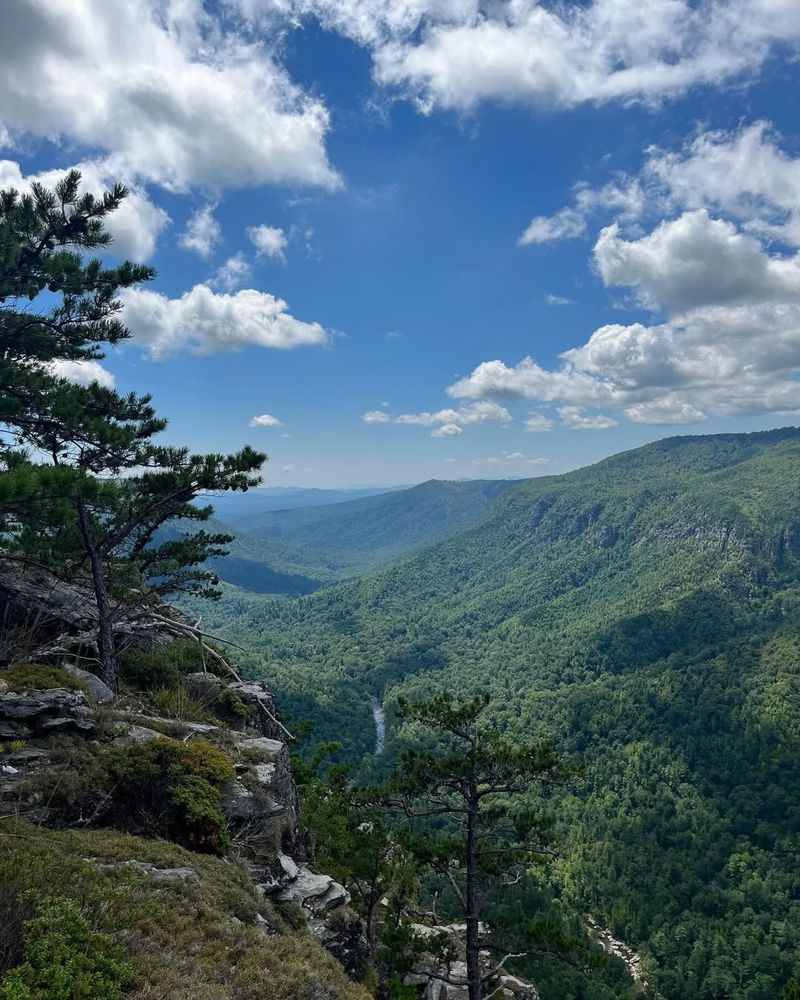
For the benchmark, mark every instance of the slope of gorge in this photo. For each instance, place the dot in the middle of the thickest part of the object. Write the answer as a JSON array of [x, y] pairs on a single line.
[[644, 613]]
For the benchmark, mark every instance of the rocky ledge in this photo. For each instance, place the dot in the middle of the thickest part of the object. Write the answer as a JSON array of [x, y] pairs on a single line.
[[41, 727]]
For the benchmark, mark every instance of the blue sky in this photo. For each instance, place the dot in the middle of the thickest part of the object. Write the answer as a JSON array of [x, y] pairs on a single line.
[[444, 188]]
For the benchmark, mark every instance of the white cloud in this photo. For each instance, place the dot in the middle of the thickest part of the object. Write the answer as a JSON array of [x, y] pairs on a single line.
[[475, 413], [447, 422], [576, 418], [289, 468], [266, 420], [513, 456], [447, 431], [83, 372], [692, 238], [234, 273], [206, 322], [135, 226], [557, 300], [202, 233], [162, 91], [450, 423], [269, 241], [567, 223], [743, 173], [696, 261], [538, 422], [565, 55]]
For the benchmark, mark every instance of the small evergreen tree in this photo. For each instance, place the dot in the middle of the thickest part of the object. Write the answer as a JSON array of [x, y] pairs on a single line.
[[471, 791]]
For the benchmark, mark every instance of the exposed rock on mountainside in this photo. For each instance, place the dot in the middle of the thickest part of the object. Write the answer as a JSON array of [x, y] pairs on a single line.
[[75, 758]]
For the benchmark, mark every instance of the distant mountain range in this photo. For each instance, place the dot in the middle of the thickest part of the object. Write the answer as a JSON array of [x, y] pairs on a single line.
[[294, 551], [232, 506]]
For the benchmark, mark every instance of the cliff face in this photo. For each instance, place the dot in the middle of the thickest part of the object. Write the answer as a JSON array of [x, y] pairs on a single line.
[[182, 832]]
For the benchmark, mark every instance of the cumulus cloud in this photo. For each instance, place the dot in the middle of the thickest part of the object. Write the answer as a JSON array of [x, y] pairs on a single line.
[[205, 322], [693, 261], [202, 232], [83, 372], [136, 225], [742, 173], [458, 53], [447, 431], [265, 420], [161, 91], [269, 241], [705, 237], [557, 300], [234, 273], [376, 417]]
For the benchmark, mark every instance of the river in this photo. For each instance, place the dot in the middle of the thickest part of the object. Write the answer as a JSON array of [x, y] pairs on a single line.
[[379, 716]]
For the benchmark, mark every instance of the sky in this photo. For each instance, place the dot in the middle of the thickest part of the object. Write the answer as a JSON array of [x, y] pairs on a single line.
[[409, 239]]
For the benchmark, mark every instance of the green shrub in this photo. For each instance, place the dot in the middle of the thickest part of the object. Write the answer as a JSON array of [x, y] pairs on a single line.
[[198, 811], [65, 960], [231, 704], [170, 789], [162, 667], [40, 676]]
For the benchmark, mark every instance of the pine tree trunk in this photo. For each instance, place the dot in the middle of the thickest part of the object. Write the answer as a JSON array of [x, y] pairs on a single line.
[[472, 910], [105, 618]]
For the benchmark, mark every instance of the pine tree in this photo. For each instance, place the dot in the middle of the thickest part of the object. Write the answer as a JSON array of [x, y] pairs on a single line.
[[471, 791], [84, 481]]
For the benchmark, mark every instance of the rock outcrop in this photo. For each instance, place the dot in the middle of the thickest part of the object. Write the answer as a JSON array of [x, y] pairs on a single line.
[[437, 979], [259, 802]]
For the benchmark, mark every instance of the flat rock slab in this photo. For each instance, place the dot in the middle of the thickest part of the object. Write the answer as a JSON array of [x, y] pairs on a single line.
[[151, 871], [268, 749], [136, 734]]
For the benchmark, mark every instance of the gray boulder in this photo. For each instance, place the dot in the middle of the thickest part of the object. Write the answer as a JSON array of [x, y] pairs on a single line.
[[99, 691]]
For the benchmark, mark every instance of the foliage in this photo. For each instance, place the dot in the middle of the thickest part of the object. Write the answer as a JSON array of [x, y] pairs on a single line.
[[39, 676], [352, 841], [65, 960], [297, 551], [169, 788]]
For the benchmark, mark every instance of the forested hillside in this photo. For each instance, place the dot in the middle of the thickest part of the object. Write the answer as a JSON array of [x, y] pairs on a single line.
[[645, 613], [298, 550]]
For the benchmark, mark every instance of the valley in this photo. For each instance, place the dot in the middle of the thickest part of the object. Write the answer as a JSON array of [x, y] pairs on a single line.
[[644, 615]]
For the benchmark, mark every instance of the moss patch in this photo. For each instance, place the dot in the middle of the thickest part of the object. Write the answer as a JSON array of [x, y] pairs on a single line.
[[40, 676]]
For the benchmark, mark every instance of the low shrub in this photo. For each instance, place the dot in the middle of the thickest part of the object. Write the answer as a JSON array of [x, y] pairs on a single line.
[[169, 788], [64, 959], [231, 705], [40, 676]]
